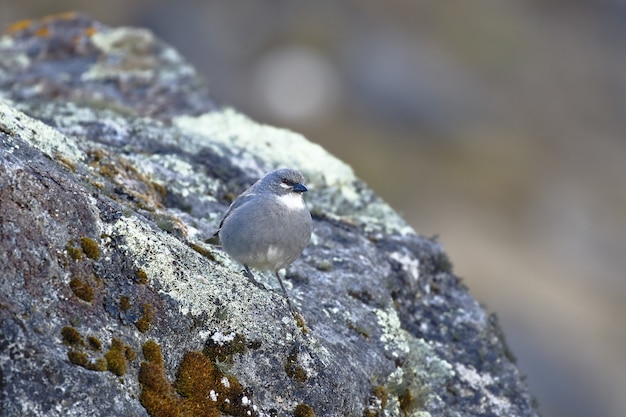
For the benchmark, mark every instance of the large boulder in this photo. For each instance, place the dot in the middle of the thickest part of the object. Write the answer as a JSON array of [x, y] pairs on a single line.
[[115, 167]]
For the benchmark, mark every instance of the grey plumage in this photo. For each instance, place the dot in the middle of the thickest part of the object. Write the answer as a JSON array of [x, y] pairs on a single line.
[[268, 226]]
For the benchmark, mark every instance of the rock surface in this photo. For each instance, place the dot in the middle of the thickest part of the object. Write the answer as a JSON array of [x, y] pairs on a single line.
[[115, 166]]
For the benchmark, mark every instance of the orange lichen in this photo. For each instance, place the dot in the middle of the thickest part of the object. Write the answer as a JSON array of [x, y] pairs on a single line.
[[43, 32], [19, 25], [90, 31]]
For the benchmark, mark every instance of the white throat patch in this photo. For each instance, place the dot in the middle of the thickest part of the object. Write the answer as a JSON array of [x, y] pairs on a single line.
[[292, 201]]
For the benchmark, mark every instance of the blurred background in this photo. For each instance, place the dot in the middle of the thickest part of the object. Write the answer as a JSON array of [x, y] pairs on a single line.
[[498, 125]]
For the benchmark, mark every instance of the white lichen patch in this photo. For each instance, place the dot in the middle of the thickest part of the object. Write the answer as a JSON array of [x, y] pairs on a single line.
[[194, 287], [131, 47], [43, 137], [393, 337], [479, 383], [278, 147], [221, 338], [332, 183], [408, 263]]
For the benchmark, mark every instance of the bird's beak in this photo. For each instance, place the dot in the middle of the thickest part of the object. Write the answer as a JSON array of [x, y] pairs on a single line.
[[299, 188]]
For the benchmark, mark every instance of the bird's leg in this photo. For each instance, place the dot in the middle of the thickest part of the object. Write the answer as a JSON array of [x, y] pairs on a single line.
[[293, 312], [248, 274]]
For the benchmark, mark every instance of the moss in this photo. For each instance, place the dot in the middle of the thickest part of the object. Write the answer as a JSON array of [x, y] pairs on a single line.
[[66, 162], [223, 352], [196, 375], [82, 359], [359, 329], [303, 410], [94, 343], [72, 337], [411, 400], [90, 247], [74, 252], [142, 276], [293, 370], [152, 352], [125, 304], [157, 395], [144, 322], [116, 357], [382, 394], [82, 289], [301, 323], [202, 251], [200, 388]]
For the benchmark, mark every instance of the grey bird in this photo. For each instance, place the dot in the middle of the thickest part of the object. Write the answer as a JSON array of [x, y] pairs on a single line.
[[268, 226]]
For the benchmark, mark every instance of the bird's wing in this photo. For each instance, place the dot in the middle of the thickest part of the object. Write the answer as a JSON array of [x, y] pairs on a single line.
[[239, 201]]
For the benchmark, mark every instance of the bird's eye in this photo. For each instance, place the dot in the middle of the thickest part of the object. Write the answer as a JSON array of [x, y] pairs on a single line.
[[286, 181]]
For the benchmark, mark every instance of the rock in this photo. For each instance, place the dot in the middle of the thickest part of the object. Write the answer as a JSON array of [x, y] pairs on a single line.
[[115, 167]]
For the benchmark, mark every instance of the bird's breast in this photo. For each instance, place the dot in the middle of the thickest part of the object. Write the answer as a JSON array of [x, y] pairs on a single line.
[[292, 201]]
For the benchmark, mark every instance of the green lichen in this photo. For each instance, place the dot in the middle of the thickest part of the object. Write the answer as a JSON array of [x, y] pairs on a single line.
[[90, 247], [82, 289], [144, 322], [303, 410]]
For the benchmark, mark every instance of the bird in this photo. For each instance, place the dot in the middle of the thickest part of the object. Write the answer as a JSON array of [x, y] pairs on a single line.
[[268, 226]]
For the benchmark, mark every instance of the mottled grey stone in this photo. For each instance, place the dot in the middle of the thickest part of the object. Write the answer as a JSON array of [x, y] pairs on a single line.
[[109, 138]]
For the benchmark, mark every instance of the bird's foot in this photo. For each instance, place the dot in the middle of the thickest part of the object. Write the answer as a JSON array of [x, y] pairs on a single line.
[[248, 274]]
